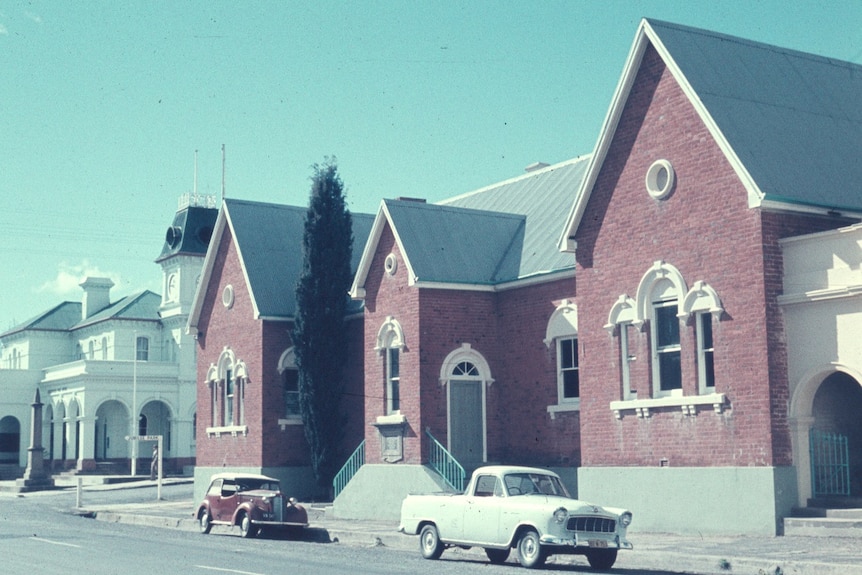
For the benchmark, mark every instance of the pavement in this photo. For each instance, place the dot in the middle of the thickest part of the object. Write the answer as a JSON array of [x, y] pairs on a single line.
[[692, 554]]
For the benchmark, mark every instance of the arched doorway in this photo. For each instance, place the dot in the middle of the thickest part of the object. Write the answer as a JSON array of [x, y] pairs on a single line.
[[156, 420], [824, 402], [111, 429], [466, 375], [836, 437], [10, 441]]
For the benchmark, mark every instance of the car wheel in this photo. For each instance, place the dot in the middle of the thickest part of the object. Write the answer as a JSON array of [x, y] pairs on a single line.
[[245, 528], [497, 556], [602, 559], [530, 552], [429, 543], [204, 522]]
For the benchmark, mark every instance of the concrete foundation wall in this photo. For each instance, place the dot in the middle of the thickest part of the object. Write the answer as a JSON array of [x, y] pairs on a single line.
[[376, 491], [691, 500]]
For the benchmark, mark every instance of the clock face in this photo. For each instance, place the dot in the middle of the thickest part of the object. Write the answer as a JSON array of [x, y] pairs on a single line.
[[173, 287]]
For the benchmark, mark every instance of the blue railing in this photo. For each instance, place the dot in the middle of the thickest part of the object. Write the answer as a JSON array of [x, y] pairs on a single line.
[[445, 464], [830, 464], [354, 462]]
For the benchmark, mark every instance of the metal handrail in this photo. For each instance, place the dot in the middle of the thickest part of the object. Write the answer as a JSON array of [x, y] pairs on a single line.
[[354, 462], [445, 464]]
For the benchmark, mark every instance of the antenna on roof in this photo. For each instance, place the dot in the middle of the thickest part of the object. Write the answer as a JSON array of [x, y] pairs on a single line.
[[222, 172], [195, 187]]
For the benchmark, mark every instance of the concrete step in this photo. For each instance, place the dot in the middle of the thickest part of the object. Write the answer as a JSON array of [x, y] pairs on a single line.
[[826, 512], [824, 526]]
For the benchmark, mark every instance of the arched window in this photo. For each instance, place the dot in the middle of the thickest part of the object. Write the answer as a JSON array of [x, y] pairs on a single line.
[[703, 302], [289, 386], [104, 348], [390, 342], [562, 334], [227, 380]]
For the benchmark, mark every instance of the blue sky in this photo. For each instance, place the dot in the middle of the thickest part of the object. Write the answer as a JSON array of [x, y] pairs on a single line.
[[103, 104]]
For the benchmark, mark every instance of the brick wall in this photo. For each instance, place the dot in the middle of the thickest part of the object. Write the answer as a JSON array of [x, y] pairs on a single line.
[[506, 328], [260, 344], [706, 230]]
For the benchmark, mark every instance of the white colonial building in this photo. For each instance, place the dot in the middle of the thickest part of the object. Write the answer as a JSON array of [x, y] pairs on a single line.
[[97, 361]]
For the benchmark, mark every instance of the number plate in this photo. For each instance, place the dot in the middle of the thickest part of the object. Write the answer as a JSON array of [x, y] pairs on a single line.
[[599, 543]]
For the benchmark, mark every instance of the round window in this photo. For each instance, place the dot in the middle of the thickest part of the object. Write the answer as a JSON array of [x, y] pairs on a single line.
[[659, 179], [391, 264], [227, 296]]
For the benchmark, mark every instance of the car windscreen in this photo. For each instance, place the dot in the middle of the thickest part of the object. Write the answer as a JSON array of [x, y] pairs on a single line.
[[251, 484], [528, 483]]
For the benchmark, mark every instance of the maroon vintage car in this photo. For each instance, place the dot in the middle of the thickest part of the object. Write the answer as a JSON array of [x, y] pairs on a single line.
[[253, 502]]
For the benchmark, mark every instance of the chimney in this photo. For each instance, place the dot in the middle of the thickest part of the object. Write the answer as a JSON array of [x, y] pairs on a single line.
[[97, 295], [536, 166]]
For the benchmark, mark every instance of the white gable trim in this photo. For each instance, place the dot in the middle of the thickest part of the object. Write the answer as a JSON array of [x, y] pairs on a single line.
[[645, 35], [357, 290], [223, 221]]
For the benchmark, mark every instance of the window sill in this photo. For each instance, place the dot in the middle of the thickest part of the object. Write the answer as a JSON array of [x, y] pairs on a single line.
[[283, 423], [688, 404], [232, 430], [563, 408], [391, 419]]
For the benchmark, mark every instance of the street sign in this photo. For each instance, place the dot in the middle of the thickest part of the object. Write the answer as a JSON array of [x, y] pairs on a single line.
[[143, 437]]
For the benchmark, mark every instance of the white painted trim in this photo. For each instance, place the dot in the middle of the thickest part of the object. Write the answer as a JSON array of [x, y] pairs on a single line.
[[687, 403]]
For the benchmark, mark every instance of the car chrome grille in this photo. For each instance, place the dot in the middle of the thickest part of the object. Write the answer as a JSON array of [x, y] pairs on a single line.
[[592, 524], [278, 507]]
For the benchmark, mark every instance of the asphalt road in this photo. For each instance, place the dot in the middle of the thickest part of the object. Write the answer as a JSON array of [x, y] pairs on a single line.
[[40, 534]]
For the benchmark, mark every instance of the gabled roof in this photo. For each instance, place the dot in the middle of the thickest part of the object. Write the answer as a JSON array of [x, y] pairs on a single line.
[[483, 239], [268, 239], [789, 123], [62, 317], [67, 315], [140, 306]]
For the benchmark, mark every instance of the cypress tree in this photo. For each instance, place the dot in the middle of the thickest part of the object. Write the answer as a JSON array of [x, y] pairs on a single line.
[[319, 336]]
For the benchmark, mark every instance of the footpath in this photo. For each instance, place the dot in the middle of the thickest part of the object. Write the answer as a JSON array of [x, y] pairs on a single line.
[[691, 554]]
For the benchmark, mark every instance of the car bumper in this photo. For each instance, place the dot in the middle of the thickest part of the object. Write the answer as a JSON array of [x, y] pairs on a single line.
[[616, 542], [278, 523]]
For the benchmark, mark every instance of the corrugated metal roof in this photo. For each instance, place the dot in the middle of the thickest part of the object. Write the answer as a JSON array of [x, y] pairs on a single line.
[[458, 245], [543, 197], [793, 119], [140, 306], [62, 317], [269, 237]]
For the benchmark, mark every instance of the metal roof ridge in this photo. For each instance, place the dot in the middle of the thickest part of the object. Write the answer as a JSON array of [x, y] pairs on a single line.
[[546, 169]]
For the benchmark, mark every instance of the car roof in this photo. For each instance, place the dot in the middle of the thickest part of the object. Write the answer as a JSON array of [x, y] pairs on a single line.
[[504, 469], [236, 476]]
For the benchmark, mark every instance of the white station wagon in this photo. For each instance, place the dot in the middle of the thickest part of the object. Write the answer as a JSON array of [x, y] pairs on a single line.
[[521, 507]]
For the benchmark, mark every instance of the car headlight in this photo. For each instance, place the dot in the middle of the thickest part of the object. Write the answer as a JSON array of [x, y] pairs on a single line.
[[626, 519], [561, 514], [265, 500]]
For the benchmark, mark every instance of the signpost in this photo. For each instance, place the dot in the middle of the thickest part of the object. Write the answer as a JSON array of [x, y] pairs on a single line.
[[135, 439]]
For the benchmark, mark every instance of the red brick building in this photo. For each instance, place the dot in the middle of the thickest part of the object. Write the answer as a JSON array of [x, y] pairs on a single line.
[[248, 413], [714, 149], [677, 377]]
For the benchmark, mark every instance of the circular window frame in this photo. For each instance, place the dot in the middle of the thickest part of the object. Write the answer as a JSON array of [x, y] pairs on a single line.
[[227, 296], [390, 264], [653, 178]]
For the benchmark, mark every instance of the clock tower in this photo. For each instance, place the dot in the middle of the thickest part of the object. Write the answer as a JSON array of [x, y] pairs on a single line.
[[181, 259]]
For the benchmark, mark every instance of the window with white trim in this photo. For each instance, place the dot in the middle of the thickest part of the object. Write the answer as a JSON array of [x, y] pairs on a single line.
[[393, 381], [666, 366], [568, 384], [705, 353], [390, 342], [142, 348], [627, 356], [227, 381], [562, 333], [290, 391]]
